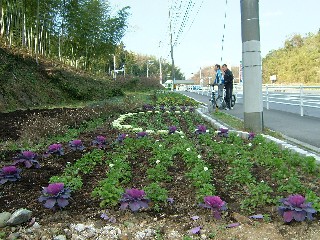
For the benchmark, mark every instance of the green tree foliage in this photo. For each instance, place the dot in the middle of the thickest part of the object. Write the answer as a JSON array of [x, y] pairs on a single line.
[[79, 32], [297, 62]]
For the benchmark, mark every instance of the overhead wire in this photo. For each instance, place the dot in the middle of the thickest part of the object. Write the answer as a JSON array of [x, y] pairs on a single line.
[[224, 29]]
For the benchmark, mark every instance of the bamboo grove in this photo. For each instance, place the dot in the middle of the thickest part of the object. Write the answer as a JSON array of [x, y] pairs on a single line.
[[78, 32]]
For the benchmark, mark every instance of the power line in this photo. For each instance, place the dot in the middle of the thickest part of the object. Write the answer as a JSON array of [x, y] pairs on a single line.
[[224, 29]]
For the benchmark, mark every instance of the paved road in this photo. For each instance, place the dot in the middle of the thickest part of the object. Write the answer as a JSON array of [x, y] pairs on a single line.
[[301, 130]]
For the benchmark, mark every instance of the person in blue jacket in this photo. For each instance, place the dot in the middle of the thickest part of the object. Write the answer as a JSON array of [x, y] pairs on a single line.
[[219, 79]]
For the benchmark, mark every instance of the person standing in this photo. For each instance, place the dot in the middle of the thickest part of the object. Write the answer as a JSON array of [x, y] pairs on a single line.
[[228, 84], [219, 80]]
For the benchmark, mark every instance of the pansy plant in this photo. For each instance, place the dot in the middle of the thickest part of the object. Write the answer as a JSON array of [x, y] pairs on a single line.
[[76, 145], [134, 199], [100, 142], [215, 204], [28, 158], [296, 208], [55, 194], [9, 173], [55, 149]]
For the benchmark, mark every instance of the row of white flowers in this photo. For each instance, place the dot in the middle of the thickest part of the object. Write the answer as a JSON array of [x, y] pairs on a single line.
[[118, 123]]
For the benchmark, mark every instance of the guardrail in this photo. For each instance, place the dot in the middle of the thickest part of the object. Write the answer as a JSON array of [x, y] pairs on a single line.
[[303, 94], [303, 99]]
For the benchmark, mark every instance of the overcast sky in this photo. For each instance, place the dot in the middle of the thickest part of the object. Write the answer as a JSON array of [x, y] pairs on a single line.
[[201, 44]]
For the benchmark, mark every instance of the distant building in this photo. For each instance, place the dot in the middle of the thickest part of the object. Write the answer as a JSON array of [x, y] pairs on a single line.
[[179, 84]]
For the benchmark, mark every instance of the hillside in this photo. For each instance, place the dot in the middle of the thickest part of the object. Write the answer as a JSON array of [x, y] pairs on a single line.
[[26, 84], [297, 62]]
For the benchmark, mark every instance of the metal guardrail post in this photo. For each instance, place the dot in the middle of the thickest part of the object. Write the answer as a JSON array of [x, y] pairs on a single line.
[[267, 92], [301, 101]]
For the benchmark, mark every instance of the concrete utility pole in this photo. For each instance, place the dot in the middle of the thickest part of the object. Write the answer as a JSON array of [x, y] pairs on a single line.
[[251, 64]]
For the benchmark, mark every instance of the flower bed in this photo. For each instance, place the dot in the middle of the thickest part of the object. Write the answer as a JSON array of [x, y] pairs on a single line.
[[182, 165]]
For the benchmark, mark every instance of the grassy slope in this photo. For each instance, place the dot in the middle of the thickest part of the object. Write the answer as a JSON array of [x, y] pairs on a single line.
[[26, 84]]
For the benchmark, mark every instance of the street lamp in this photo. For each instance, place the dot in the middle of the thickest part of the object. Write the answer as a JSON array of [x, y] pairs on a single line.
[[149, 63]]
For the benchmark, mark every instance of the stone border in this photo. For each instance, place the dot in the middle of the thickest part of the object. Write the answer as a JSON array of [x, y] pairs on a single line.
[[203, 111]]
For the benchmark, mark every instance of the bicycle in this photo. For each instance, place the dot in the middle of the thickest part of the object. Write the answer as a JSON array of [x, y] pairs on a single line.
[[217, 101]]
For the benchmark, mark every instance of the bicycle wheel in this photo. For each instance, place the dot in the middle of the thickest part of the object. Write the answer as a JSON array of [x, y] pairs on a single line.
[[221, 104], [233, 100]]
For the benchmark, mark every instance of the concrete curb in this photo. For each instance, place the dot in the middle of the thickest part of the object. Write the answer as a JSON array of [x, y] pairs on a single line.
[[203, 112]]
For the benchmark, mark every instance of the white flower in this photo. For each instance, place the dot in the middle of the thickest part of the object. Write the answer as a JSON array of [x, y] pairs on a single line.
[[177, 111], [126, 126], [250, 144], [207, 130], [205, 169], [163, 131], [149, 111], [182, 136], [262, 181], [160, 145], [156, 111], [188, 149], [158, 161], [149, 131], [199, 156], [111, 165], [137, 129]]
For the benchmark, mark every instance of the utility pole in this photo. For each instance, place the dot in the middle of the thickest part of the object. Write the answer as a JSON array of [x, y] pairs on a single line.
[[160, 69], [252, 67], [172, 60]]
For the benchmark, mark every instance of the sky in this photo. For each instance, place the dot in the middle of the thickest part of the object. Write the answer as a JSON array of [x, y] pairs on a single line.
[[200, 42]]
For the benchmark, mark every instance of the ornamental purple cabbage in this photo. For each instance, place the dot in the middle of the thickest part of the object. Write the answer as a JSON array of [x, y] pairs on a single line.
[[76, 145], [295, 207], [54, 194], [27, 158], [100, 142], [134, 199], [141, 134], [215, 204], [201, 129], [55, 149], [9, 173], [223, 132], [148, 107], [162, 108], [172, 129], [183, 108], [121, 137], [251, 135]]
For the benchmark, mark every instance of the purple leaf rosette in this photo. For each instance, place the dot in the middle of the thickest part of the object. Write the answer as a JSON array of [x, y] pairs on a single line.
[[296, 208], [9, 173], [28, 158], [135, 199], [142, 134], [55, 149], [100, 142], [76, 145], [55, 194], [201, 129], [172, 129], [223, 132], [215, 204]]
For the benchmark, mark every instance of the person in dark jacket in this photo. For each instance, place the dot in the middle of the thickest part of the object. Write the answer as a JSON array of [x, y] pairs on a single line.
[[228, 84]]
